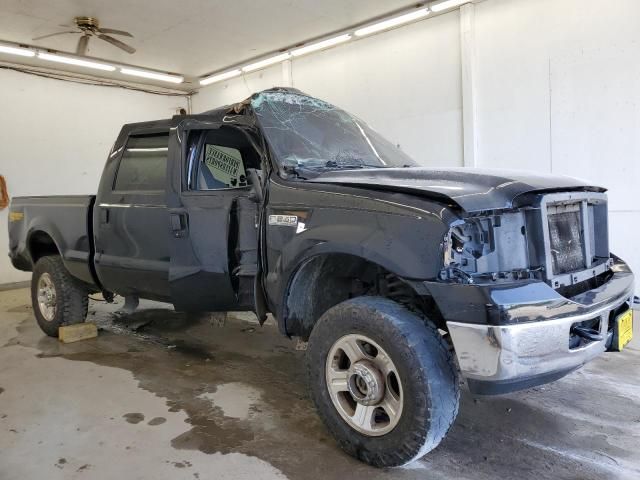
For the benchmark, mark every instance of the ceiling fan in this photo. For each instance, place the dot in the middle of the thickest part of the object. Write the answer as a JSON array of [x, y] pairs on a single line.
[[89, 27]]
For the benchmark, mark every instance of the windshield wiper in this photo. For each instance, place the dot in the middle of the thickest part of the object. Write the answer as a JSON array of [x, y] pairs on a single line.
[[348, 166], [303, 172]]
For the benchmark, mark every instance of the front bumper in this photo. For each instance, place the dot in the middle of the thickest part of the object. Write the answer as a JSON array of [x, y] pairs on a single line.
[[531, 345]]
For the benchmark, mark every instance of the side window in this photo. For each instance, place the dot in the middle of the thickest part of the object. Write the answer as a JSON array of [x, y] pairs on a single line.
[[218, 159], [143, 165]]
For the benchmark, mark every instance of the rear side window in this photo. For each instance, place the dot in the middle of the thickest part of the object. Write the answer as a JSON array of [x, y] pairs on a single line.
[[144, 163]]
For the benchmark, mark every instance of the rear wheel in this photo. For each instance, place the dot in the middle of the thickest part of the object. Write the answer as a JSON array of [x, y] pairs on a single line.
[[383, 380], [58, 299]]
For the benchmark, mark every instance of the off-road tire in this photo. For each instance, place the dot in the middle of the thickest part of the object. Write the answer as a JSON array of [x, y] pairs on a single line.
[[431, 391], [72, 296]]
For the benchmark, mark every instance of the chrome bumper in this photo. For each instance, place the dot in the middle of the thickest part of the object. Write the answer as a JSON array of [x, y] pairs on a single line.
[[502, 358]]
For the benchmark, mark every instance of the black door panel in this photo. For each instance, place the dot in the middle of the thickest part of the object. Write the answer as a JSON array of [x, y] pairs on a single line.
[[199, 276], [132, 223], [132, 256], [208, 218]]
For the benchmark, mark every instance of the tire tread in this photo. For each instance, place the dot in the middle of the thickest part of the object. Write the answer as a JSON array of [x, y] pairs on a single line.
[[435, 363], [72, 295]]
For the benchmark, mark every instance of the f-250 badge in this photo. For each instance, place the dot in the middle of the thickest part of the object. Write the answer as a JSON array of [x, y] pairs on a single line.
[[283, 220]]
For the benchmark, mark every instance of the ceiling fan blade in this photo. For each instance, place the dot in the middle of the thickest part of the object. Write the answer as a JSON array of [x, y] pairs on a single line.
[[83, 42], [114, 32], [117, 43], [52, 35]]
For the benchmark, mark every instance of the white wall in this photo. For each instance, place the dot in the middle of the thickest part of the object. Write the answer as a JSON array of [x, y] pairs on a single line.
[[55, 137], [556, 89], [405, 83]]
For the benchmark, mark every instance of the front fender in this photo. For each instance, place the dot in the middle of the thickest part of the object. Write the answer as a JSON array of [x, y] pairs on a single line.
[[394, 255], [408, 246]]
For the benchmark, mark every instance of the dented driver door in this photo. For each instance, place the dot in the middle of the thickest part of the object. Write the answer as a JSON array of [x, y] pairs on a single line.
[[207, 203]]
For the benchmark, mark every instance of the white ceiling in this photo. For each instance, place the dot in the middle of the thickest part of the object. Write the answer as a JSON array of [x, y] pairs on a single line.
[[192, 37]]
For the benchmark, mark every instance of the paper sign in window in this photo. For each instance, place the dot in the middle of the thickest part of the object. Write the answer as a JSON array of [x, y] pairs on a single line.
[[225, 164]]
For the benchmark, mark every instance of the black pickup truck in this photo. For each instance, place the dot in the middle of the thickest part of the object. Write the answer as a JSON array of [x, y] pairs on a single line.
[[401, 278]]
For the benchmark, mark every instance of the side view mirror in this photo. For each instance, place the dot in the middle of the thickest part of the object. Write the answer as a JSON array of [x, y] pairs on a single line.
[[256, 185]]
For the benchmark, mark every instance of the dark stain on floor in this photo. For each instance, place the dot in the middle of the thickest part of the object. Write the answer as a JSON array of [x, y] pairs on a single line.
[[183, 464], [182, 360], [157, 421], [133, 417]]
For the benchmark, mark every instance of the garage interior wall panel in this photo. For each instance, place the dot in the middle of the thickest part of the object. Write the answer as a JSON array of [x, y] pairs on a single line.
[[405, 83], [236, 89], [558, 93], [56, 137]]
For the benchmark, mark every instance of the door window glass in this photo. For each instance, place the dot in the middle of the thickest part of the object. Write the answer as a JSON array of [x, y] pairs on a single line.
[[144, 164], [218, 159]]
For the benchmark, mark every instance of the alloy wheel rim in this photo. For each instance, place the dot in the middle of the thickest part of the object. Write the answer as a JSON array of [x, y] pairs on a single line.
[[47, 301], [364, 385]]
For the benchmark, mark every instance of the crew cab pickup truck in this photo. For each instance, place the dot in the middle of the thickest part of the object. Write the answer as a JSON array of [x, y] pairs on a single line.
[[400, 278]]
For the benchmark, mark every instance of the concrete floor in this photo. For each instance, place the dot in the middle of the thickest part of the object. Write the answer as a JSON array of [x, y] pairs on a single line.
[[158, 396]]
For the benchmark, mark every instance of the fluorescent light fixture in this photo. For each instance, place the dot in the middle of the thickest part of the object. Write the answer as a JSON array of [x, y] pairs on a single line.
[[220, 77], [392, 22], [163, 77], [75, 61], [266, 62], [320, 45], [438, 7], [24, 52]]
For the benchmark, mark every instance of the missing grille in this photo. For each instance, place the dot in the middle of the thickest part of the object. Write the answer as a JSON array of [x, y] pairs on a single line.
[[566, 241]]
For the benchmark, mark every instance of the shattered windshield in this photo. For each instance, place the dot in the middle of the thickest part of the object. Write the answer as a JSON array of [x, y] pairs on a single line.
[[307, 134]]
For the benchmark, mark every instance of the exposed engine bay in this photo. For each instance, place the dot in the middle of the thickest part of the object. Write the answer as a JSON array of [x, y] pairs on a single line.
[[561, 239]]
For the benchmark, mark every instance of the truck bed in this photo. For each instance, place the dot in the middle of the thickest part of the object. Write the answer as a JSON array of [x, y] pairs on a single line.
[[45, 224]]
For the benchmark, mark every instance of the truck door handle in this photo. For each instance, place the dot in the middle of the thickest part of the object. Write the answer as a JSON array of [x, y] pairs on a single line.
[[179, 222]]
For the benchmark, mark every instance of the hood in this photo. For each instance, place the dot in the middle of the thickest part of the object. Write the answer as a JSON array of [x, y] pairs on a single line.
[[472, 189]]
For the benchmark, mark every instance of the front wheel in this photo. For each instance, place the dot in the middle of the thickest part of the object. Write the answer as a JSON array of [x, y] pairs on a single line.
[[58, 299], [383, 381]]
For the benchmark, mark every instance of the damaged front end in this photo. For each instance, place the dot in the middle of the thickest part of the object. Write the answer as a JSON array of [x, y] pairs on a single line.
[[532, 293], [489, 247], [553, 239], [522, 280]]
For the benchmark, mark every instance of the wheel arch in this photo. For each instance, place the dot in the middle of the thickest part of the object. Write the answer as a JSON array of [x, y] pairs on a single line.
[[44, 238], [41, 243], [323, 280]]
